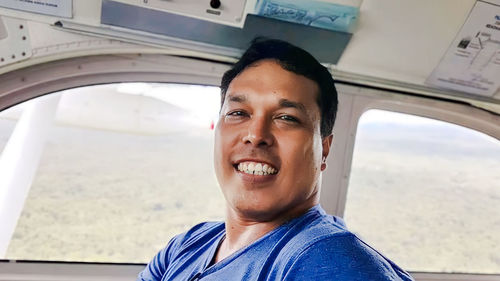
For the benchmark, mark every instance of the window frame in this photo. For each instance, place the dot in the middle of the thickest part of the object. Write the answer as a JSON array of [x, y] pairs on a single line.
[[31, 82], [24, 84], [54, 76], [356, 100]]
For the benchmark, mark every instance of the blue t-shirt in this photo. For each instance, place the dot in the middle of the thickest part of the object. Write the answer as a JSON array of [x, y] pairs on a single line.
[[314, 246]]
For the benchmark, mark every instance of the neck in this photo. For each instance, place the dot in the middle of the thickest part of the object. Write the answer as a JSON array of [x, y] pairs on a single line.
[[242, 230]]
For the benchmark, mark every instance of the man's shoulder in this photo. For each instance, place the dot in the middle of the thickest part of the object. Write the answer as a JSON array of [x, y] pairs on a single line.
[[201, 231], [308, 232], [197, 237], [322, 244], [344, 255], [314, 226]]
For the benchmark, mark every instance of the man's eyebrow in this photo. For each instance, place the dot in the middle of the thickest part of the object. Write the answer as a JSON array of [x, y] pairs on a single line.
[[292, 104], [237, 98]]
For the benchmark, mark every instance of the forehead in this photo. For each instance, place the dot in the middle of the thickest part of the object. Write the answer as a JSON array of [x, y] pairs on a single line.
[[267, 80]]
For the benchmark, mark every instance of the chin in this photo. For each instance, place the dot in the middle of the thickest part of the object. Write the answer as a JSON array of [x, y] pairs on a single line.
[[259, 211]]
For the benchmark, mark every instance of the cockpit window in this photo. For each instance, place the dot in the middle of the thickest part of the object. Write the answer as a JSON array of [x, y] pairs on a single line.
[[123, 167], [426, 193]]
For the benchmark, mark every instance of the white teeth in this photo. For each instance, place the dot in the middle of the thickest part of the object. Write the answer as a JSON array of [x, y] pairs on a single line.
[[255, 168], [250, 168], [265, 168], [258, 168]]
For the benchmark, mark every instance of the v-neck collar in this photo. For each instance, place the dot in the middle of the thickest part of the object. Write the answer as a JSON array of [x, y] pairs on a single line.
[[210, 267]]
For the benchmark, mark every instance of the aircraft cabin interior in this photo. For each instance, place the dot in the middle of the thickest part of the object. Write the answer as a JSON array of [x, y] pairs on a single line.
[[108, 108]]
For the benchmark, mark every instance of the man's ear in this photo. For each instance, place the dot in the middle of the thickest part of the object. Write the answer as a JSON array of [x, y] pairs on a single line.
[[326, 143]]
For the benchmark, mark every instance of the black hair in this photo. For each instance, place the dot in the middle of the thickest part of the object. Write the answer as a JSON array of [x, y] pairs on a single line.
[[296, 60]]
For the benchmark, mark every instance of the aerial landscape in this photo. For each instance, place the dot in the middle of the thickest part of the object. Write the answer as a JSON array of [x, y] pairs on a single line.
[[425, 194]]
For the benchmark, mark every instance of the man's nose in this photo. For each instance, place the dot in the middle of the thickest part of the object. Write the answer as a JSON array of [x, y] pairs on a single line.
[[259, 133]]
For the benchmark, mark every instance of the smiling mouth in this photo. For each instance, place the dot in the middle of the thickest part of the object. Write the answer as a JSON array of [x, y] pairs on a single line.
[[256, 168]]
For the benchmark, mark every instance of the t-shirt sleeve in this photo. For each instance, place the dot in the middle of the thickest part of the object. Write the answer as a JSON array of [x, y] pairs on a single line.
[[158, 265], [342, 257]]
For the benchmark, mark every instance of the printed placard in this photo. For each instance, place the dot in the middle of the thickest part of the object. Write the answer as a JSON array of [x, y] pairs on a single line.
[[60, 8], [472, 62]]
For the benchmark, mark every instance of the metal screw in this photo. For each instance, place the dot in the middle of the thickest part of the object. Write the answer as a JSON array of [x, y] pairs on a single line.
[[24, 54], [2, 59], [13, 56], [24, 37], [21, 26]]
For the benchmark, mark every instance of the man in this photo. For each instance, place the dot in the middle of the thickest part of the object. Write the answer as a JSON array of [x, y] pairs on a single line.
[[271, 142]]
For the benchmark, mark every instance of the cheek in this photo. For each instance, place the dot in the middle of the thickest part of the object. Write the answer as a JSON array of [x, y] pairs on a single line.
[[224, 142], [217, 143], [219, 152], [221, 137], [302, 157], [224, 136]]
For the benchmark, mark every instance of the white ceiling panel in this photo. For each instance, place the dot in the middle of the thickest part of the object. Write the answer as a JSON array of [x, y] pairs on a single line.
[[403, 40]]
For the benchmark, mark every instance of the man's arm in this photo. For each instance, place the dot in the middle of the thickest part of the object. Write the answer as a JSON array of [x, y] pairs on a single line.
[[157, 267], [343, 257]]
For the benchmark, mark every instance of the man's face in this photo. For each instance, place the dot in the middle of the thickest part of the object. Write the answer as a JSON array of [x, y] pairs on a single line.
[[268, 147]]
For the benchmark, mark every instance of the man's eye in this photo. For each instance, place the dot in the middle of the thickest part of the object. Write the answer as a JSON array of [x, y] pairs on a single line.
[[236, 113], [288, 118]]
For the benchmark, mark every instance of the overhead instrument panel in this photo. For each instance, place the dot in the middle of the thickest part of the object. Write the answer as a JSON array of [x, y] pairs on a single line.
[[229, 12], [146, 24]]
